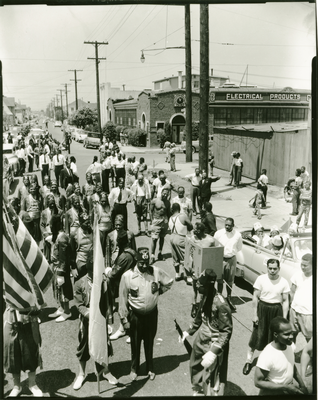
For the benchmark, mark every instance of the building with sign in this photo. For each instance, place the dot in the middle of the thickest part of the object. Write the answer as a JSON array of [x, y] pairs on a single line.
[[269, 128]]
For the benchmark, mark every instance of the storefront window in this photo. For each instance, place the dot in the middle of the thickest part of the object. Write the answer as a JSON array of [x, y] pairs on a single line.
[[298, 114], [272, 114], [247, 116], [220, 116], [233, 116], [285, 114]]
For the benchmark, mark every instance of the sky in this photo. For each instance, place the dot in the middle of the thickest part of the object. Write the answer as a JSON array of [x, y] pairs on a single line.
[[273, 42]]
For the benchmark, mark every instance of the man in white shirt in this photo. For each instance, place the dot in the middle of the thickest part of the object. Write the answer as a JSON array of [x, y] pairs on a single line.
[[304, 174], [195, 180], [184, 202], [22, 158], [44, 165], [231, 239], [106, 168], [270, 300], [142, 195], [301, 295], [58, 164], [156, 182], [118, 199], [275, 369], [29, 153], [163, 184]]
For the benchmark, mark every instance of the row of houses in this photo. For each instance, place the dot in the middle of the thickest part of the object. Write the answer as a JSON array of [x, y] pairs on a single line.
[[14, 113]]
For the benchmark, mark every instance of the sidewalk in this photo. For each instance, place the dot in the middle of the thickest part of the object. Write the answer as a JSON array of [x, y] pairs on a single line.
[[228, 201]]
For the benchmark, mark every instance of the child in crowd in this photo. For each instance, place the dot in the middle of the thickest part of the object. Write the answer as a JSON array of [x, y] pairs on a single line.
[[258, 201]]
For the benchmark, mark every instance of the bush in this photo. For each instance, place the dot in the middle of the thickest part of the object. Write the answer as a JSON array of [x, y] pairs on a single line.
[[109, 131], [137, 137], [91, 128], [163, 136]]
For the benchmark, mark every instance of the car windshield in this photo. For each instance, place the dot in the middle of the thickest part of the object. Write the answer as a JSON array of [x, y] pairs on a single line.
[[302, 246], [93, 135]]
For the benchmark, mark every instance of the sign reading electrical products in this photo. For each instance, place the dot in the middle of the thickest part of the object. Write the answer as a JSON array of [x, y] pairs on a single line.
[[261, 96]]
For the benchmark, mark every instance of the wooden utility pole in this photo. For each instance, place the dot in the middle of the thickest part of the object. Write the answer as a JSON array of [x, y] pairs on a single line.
[[96, 44], [188, 70], [60, 90], [65, 84], [204, 87], [76, 80]]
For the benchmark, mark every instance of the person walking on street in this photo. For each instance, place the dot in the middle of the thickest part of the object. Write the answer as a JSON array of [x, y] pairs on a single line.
[[208, 220], [172, 156], [118, 199], [258, 202], [270, 299], [305, 203], [139, 292], [231, 239], [263, 181], [44, 165], [232, 169], [297, 185], [238, 169], [210, 352], [205, 189], [184, 202], [58, 162], [159, 212], [142, 195], [195, 180], [179, 225]]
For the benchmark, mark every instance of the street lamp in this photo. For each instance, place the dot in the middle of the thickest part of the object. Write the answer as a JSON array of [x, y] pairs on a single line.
[[142, 57]]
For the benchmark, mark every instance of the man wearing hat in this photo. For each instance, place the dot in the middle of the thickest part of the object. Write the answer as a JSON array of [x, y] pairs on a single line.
[[139, 292], [213, 322]]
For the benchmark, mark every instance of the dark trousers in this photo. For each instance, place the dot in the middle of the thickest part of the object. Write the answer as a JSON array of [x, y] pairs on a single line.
[[295, 201], [57, 171], [45, 171], [30, 159], [120, 209], [120, 173], [264, 190], [142, 327], [195, 193], [22, 166], [105, 180]]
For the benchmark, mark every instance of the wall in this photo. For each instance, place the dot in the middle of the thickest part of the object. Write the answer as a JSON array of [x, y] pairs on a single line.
[[280, 155]]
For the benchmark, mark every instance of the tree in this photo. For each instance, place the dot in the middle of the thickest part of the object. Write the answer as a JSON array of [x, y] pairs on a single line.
[[83, 117], [109, 131]]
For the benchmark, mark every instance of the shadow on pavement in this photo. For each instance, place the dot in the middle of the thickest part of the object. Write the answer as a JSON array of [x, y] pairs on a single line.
[[51, 381], [231, 389]]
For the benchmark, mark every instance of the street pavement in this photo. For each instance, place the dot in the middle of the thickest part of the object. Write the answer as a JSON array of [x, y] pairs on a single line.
[[171, 362]]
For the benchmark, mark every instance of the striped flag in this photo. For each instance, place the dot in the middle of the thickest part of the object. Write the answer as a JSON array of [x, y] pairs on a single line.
[[98, 335], [27, 274]]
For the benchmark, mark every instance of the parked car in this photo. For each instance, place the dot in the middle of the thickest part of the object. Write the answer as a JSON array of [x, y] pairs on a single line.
[[79, 135], [58, 124], [252, 259], [92, 140], [13, 164]]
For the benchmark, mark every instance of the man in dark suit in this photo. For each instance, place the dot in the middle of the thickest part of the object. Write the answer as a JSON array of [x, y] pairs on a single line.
[[66, 175], [208, 220], [205, 188]]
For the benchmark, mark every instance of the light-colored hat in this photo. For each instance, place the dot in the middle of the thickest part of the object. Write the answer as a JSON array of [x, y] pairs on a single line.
[[277, 240], [275, 228], [257, 226]]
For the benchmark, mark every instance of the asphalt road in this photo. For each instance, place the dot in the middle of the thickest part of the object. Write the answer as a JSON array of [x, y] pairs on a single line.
[[171, 361]]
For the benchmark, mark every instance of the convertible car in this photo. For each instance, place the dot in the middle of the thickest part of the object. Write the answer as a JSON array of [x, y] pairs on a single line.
[[251, 260]]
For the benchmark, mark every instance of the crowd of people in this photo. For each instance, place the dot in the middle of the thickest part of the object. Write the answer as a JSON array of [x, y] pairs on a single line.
[[60, 215]]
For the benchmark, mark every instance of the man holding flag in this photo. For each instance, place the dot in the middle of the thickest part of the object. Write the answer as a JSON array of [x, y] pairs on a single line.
[[26, 275], [93, 329]]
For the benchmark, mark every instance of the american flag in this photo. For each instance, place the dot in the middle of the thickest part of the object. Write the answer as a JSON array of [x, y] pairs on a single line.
[[26, 272]]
